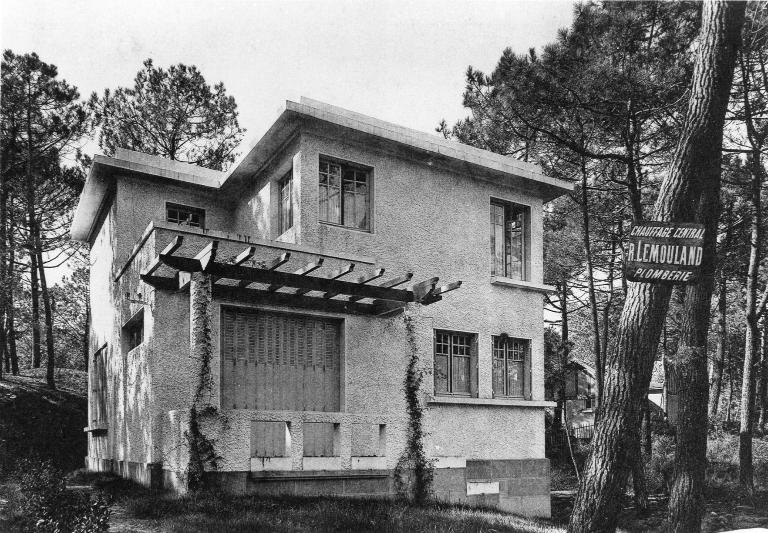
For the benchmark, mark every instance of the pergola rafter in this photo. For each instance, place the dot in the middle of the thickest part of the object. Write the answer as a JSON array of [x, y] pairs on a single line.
[[292, 288]]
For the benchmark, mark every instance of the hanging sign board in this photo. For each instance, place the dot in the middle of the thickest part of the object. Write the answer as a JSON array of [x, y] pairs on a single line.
[[664, 252]]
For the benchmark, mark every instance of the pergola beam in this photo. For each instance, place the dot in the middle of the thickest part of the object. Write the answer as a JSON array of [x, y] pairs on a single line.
[[303, 271], [307, 302], [272, 265]]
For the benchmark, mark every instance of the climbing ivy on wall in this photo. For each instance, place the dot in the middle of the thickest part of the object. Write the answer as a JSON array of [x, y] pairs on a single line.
[[414, 472], [202, 452]]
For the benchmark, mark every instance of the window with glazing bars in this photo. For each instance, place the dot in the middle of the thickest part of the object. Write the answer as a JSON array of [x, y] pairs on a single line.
[[99, 387], [188, 216], [508, 240], [344, 195], [286, 203], [453, 363], [509, 357]]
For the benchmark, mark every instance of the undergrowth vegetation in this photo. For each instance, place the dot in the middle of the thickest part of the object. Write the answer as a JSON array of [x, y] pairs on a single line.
[[42, 503]]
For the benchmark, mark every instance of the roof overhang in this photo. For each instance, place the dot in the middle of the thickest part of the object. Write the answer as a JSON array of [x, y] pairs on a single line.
[[432, 148], [104, 171]]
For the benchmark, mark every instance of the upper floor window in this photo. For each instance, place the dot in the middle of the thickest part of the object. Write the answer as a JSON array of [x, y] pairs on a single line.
[[285, 207], [344, 195], [182, 214], [455, 358], [509, 362], [508, 240]]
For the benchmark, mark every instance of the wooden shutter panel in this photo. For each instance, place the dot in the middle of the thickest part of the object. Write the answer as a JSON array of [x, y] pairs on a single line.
[[473, 368]]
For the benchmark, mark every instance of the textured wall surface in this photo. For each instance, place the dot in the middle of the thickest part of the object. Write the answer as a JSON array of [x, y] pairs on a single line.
[[426, 220]]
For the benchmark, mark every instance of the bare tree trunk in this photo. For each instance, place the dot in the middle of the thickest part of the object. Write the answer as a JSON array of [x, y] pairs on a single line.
[[563, 353], [752, 337], [762, 392], [695, 168], [599, 364], [716, 380], [31, 222], [11, 313], [729, 405], [48, 308], [686, 499], [35, 290]]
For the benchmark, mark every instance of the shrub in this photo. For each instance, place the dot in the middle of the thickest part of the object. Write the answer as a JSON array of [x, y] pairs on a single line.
[[48, 507]]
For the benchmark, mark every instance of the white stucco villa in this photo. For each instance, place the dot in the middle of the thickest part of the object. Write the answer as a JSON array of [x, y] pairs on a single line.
[[311, 250]]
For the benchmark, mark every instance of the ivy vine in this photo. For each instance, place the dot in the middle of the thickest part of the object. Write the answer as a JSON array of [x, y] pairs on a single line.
[[414, 473]]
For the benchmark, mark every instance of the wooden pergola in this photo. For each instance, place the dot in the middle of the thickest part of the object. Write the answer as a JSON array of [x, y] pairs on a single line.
[[265, 283]]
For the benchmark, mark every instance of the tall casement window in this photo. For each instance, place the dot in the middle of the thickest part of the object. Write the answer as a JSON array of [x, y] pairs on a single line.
[[99, 387], [509, 364], [508, 240], [286, 203], [185, 215], [344, 196], [455, 363]]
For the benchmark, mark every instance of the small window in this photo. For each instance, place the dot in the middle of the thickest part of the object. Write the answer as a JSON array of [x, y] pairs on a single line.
[[454, 363], [285, 206], [344, 194], [133, 331], [509, 363], [508, 254], [99, 387], [185, 215]]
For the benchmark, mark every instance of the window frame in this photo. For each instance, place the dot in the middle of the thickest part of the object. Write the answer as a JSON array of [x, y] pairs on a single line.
[[282, 219], [345, 165], [525, 212], [98, 388], [191, 210], [129, 331], [526, 362], [472, 356]]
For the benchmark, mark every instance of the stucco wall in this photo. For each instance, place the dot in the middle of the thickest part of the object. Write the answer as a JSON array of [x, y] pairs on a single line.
[[426, 220]]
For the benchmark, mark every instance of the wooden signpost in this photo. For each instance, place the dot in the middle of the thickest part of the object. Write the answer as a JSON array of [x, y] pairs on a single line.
[[668, 252]]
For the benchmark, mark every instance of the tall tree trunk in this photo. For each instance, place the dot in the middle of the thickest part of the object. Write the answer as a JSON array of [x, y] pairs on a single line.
[[563, 353], [35, 293], [599, 364], [4, 285], [716, 380], [11, 312], [31, 221], [48, 308], [762, 392], [729, 404], [695, 168], [689, 365], [752, 337]]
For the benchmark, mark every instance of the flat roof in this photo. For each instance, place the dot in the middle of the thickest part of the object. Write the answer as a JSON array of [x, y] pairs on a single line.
[[102, 172], [258, 153]]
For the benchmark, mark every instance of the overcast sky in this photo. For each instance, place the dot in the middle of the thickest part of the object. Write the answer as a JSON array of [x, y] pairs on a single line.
[[399, 61]]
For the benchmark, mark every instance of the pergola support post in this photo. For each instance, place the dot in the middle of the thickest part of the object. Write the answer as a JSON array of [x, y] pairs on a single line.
[[200, 344]]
